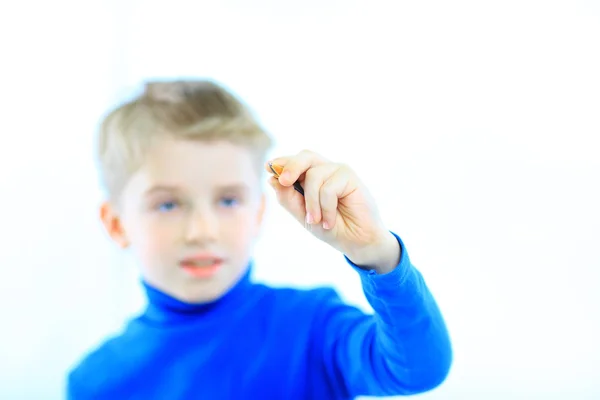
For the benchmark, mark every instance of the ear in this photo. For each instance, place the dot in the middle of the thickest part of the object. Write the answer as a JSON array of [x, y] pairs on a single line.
[[113, 225], [261, 210]]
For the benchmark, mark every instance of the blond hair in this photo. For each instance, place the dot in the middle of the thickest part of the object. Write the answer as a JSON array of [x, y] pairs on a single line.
[[191, 109]]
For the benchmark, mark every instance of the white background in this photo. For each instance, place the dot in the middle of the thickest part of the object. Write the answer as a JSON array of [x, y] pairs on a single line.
[[476, 124]]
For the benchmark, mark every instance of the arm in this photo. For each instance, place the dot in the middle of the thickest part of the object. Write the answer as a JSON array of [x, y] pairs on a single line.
[[403, 349]]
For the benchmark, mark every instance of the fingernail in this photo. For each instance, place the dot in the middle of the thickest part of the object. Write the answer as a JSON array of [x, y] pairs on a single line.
[[325, 225], [309, 218]]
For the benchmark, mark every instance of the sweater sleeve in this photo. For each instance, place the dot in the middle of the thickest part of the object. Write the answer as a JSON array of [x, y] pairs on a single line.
[[403, 349]]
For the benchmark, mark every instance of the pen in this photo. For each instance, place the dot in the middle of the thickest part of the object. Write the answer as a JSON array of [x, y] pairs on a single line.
[[277, 170]]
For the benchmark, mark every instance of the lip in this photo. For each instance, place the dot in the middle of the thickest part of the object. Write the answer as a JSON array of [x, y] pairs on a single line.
[[201, 257], [189, 265]]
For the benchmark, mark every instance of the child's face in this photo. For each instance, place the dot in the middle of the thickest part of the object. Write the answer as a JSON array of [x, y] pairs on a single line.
[[191, 199]]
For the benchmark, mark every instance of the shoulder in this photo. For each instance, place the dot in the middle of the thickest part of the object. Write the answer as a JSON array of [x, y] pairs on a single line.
[[301, 298], [317, 317], [89, 374], [313, 303], [95, 371]]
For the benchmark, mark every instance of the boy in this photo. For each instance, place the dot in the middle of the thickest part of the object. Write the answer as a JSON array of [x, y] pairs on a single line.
[[182, 164]]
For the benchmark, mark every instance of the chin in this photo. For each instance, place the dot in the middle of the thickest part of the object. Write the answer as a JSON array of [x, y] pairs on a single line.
[[206, 294]]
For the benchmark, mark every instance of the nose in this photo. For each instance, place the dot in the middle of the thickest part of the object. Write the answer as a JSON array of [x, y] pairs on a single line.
[[202, 228]]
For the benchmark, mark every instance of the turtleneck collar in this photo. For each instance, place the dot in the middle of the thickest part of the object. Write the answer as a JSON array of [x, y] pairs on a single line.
[[163, 308]]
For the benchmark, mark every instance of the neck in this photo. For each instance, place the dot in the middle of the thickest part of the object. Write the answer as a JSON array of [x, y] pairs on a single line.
[[164, 308]]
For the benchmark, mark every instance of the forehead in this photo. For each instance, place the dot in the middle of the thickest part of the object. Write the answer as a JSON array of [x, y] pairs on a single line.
[[197, 164]]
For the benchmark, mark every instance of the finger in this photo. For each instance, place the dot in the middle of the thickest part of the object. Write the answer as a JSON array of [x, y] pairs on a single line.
[[334, 188], [314, 179], [289, 199], [276, 165], [274, 169], [295, 166]]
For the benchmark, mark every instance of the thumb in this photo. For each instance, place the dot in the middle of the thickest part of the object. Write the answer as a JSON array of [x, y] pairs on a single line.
[[290, 199]]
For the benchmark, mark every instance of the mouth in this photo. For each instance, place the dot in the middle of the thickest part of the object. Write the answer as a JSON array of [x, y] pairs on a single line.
[[201, 266]]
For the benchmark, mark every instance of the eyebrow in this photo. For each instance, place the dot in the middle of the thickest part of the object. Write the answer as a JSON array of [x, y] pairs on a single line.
[[161, 188], [234, 187], [223, 188]]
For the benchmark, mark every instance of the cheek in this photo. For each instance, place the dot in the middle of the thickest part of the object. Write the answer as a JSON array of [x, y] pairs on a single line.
[[241, 230], [156, 235]]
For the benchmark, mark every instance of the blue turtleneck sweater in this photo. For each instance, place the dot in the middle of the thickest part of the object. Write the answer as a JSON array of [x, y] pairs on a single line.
[[258, 342]]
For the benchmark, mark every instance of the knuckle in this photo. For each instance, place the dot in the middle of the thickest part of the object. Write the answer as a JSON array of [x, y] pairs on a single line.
[[345, 168], [311, 175], [326, 190]]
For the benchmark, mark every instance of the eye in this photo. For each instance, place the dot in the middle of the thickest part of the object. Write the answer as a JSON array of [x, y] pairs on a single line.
[[167, 206], [229, 202]]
